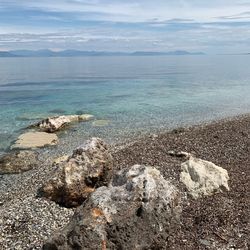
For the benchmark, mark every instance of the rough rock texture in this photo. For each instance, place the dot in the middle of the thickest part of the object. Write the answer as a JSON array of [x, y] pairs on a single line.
[[61, 159], [89, 167], [136, 211], [18, 161], [53, 124], [203, 178], [34, 140]]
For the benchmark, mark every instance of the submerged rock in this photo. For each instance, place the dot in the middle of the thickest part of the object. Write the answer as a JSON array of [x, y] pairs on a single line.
[[34, 140], [136, 211], [89, 167], [53, 124], [18, 161], [203, 178], [101, 123]]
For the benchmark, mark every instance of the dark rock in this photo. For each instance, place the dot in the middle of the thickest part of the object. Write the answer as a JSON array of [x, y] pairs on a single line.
[[89, 167], [137, 210], [178, 130], [18, 161], [180, 154]]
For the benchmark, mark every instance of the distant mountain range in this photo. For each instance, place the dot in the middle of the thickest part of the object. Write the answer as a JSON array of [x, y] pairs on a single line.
[[75, 53]]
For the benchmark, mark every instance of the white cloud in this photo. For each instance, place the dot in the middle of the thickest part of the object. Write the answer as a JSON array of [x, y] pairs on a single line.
[[126, 25]]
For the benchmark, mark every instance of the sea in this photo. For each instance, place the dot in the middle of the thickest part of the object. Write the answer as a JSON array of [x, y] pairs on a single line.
[[128, 95]]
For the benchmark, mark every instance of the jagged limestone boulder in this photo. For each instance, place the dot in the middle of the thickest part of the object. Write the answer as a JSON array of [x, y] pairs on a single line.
[[89, 167], [35, 140], [203, 178], [136, 211], [18, 161], [53, 124]]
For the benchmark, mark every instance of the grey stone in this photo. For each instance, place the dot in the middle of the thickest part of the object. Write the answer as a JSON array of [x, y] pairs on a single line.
[[136, 211]]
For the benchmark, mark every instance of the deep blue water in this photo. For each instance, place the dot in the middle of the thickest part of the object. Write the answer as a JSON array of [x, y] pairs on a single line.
[[134, 93]]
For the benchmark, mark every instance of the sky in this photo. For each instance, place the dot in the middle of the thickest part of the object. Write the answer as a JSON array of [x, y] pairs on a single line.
[[211, 26]]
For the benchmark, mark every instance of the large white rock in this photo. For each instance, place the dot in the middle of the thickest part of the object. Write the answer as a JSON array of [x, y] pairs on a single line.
[[53, 124], [35, 140], [203, 178]]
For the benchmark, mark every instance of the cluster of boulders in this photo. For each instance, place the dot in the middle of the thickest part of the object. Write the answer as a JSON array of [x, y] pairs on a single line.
[[135, 211], [135, 208]]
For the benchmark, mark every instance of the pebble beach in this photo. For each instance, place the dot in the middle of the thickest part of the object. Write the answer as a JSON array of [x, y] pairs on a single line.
[[217, 222]]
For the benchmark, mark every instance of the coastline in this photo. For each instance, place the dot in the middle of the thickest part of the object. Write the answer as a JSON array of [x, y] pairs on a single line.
[[26, 221]]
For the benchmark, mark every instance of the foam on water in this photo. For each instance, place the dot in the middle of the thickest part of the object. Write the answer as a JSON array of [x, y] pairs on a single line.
[[135, 94]]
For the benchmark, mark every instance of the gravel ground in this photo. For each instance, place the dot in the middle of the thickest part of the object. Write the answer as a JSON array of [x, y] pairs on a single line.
[[221, 221], [217, 222], [25, 221]]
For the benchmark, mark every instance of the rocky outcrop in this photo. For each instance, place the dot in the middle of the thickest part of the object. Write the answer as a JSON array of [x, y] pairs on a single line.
[[35, 140], [89, 167], [18, 161], [53, 124], [203, 178], [136, 211]]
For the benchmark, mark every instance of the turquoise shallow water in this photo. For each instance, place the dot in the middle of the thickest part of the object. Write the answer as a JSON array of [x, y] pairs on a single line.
[[136, 94]]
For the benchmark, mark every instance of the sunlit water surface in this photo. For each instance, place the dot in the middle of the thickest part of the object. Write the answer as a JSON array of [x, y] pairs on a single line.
[[134, 94]]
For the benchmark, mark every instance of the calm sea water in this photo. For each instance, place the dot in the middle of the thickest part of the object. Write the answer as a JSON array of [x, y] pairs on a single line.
[[135, 94]]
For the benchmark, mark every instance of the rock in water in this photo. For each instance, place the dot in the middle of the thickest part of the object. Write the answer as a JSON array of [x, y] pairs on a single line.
[[35, 140], [136, 211], [101, 123], [89, 167], [18, 161], [53, 124], [203, 178]]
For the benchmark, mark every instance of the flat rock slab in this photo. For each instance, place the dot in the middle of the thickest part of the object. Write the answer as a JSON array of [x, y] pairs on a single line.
[[17, 162], [35, 140]]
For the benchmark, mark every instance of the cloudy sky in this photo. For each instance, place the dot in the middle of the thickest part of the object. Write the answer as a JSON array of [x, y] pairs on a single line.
[[212, 26]]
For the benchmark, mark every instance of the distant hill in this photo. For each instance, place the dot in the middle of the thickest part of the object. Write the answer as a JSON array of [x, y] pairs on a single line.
[[170, 53], [6, 54], [76, 53]]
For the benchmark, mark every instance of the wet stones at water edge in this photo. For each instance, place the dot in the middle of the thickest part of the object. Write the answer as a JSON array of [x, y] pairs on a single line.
[[203, 178], [53, 124], [137, 210], [18, 161], [75, 177]]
